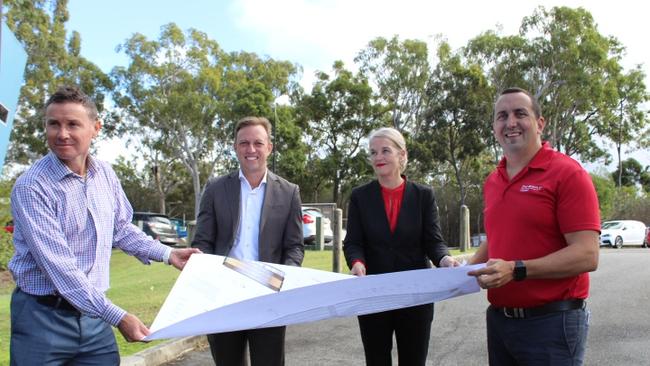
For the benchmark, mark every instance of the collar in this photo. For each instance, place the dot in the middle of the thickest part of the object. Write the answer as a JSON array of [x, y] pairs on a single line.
[[242, 178], [396, 189], [61, 171], [541, 160]]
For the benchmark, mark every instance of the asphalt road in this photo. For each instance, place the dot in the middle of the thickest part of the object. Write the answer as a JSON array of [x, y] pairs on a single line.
[[619, 332]]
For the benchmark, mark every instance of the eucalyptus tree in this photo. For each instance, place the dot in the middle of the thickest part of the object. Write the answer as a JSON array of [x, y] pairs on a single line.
[[458, 119], [53, 59], [629, 124], [633, 173], [184, 94], [399, 70], [338, 115], [136, 184], [574, 70]]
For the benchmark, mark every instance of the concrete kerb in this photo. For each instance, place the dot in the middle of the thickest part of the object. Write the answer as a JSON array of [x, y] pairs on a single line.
[[164, 352], [173, 349]]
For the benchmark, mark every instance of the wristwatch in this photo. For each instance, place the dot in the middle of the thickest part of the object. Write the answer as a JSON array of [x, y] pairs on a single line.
[[519, 273]]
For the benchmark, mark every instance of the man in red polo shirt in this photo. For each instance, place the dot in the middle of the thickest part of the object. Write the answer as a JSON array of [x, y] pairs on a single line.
[[542, 223]]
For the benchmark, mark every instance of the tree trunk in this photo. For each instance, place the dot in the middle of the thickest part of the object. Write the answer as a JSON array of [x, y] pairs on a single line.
[[337, 184], [618, 147], [159, 189], [196, 183]]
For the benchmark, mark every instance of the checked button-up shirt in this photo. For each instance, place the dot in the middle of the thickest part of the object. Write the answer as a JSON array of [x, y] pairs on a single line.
[[65, 228]]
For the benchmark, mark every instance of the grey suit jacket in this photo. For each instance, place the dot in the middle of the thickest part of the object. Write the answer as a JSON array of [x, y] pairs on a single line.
[[280, 237]]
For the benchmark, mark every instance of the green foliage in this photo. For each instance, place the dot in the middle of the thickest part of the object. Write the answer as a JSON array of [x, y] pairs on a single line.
[[631, 174], [574, 70], [6, 249], [136, 185], [606, 191], [180, 95], [183, 94], [628, 204], [52, 60], [457, 125], [338, 114], [400, 69], [290, 152]]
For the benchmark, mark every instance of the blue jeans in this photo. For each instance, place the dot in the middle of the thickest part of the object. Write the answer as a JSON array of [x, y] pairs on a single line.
[[555, 339], [42, 335]]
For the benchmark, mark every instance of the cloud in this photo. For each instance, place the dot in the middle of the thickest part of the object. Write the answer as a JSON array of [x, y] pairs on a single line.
[[316, 33]]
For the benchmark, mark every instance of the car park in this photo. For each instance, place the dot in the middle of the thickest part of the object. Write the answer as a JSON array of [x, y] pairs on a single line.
[[617, 233], [181, 227], [158, 226], [476, 239], [309, 215]]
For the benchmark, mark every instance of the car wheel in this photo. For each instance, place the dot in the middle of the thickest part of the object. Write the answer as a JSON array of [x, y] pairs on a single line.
[[618, 243]]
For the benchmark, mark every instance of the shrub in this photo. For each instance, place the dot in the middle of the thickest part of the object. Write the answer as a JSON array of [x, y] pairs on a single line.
[[6, 249]]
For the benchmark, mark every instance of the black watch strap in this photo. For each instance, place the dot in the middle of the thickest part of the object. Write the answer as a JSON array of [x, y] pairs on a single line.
[[519, 273]]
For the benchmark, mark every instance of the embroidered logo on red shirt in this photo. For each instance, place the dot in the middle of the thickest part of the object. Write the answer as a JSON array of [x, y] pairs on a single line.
[[530, 187]]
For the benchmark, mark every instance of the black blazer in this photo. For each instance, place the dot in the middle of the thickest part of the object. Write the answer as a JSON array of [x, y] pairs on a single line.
[[280, 238], [416, 239]]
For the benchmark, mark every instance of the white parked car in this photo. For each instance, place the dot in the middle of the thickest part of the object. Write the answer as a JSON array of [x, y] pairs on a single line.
[[309, 215], [622, 232]]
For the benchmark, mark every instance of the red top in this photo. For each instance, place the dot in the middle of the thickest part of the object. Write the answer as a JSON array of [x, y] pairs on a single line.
[[526, 217], [393, 203]]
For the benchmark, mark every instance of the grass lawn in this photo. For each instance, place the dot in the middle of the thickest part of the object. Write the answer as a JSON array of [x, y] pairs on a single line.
[[140, 290]]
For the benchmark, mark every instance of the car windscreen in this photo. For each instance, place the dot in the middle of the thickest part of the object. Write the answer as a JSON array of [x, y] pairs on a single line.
[[611, 225], [160, 219], [312, 211]]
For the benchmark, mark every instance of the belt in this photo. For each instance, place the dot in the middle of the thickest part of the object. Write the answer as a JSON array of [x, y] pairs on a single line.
[[551, 307], [56, 302]]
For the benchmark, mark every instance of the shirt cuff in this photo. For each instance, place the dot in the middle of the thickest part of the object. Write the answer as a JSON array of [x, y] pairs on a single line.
[[166, 256], [358, 261], [114, 315]]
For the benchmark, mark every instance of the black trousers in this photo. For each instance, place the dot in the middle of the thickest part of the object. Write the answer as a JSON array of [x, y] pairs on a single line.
[[412, 329], [266, 347]]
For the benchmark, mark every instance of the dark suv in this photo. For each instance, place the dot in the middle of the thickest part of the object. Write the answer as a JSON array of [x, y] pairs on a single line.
[[158, 226]]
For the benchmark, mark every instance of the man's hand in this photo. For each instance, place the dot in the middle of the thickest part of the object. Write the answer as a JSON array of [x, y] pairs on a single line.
[[358, 269], [132, 328], [179, 257], [449, 261], [496, 273]]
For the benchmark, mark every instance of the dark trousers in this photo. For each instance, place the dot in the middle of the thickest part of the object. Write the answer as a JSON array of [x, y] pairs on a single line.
[[556, 339], [266, 347], [412, 329], [42, 335]]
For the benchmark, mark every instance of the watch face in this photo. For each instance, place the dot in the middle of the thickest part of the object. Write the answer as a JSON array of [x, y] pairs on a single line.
[[520, 271]]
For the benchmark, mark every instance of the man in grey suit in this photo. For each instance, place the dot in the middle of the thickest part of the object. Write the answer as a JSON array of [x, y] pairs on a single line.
[[251, 214]]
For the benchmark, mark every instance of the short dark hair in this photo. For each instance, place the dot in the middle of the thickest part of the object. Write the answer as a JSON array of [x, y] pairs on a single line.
[[73, 94], [253, 121], [535, 104]]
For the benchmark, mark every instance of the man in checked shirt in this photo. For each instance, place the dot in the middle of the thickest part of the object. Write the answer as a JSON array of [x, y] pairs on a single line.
[[69, 210]]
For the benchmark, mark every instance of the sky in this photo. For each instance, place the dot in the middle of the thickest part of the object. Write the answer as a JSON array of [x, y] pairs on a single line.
[[315, 33]]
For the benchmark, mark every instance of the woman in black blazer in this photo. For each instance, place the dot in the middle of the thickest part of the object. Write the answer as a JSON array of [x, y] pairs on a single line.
[[393, 226]]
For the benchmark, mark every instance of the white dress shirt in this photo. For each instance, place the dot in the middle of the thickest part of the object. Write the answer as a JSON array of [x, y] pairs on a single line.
[[246, 245]]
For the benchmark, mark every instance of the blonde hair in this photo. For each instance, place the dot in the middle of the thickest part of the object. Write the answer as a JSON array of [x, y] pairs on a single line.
[[396, 138]]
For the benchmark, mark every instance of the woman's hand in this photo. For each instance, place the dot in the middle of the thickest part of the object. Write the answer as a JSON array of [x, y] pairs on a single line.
[[358, 269], [449, 261]]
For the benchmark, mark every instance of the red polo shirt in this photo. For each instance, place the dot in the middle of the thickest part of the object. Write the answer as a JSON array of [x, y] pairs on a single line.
[[526, 217]]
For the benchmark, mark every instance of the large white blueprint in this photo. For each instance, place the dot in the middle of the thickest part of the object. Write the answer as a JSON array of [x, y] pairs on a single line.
[[209, 297]]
